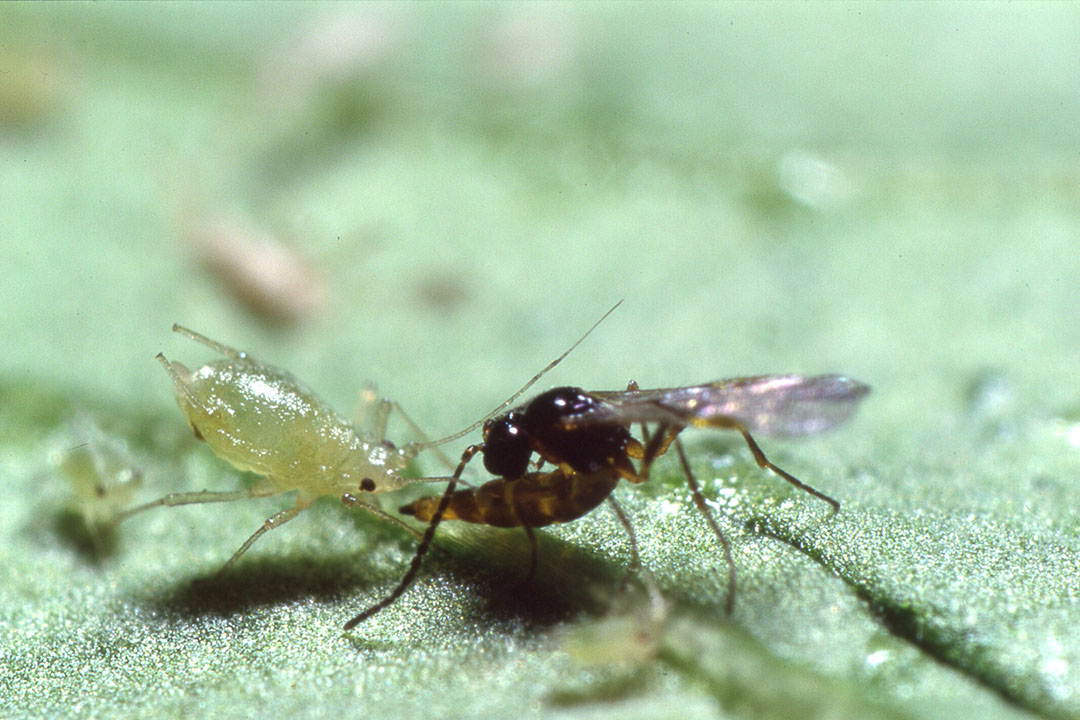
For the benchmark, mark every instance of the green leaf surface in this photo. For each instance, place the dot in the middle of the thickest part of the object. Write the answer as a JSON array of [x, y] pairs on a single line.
[[885, 191]]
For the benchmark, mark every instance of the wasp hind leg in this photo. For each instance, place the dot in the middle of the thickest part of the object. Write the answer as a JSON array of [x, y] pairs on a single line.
[[763, 462], [703, 507], [656, 599]]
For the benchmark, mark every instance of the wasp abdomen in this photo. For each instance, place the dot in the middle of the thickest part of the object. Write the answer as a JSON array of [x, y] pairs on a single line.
[[533, 500]]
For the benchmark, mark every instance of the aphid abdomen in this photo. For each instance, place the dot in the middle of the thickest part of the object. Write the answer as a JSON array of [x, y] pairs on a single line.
[[534, 500], [261, 418]]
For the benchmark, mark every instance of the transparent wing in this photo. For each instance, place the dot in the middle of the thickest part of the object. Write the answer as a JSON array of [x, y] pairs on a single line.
[[770, 404]]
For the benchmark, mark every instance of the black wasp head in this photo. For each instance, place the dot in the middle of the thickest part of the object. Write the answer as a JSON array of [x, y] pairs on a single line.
[[506, 445]]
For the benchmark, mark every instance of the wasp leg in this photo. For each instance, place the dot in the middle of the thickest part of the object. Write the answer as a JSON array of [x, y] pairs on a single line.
[[635, 558], [425, 542], [764, 462], [699, 500], [656, 446], [656, 600]]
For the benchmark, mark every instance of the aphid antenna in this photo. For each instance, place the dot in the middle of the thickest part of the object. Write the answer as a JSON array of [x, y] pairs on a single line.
[[510, 400]]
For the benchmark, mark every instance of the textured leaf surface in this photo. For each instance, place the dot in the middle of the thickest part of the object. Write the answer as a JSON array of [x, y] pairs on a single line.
[[887, 192]]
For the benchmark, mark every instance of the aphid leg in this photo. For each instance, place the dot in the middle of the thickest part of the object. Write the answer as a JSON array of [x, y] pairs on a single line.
[[352, 501], [272, 523], [194, 498], [656, 600], [764, 463], [699, 500], [378, 418], [370, 415], [212, 344], [534, 557], [425, 542]]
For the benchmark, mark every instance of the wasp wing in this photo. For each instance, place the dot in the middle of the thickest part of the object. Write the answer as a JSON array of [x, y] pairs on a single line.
[[771, 404]]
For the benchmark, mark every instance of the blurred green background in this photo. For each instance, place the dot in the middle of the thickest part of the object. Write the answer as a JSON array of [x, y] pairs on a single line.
[[888, 191]]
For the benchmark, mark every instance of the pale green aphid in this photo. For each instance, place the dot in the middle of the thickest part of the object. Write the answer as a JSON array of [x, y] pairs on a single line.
[[262, 419], [102, 474]]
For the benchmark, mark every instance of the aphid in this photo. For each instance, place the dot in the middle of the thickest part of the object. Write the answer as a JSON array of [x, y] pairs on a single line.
[[620, 650], [102, 474], [586, 435], [35, 83], [270, 279], [262, 419]]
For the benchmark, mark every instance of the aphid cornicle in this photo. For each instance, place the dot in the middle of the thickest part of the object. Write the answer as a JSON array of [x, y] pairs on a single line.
[[586, 435], [262, 419]]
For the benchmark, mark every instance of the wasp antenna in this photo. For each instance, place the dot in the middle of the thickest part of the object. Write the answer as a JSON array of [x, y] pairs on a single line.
[[510, 400]]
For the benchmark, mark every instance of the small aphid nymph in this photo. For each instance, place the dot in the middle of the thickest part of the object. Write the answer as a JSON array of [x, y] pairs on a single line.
[[272, 280], [102, 474]]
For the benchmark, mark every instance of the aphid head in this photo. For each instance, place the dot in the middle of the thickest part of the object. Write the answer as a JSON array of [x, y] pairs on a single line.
[[506, 445]]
